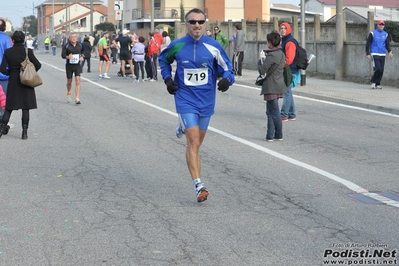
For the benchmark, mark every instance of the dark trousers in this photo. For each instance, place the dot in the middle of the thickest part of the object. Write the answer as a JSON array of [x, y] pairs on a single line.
[[114, 51], [154, 59], [148, 67], [138, 65], [7, 114], [238, 58], [378, 66], [88, 64]]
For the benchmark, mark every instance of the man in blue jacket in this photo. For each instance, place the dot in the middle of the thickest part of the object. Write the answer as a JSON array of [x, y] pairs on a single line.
[[199, 60], [376, 47], [5, 43]]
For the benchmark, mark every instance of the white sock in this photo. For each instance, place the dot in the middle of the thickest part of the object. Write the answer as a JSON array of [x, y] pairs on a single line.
[[197, 182]]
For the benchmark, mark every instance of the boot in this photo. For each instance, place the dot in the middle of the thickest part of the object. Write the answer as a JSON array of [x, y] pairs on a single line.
[[24, 132], [6, 129], [2, 129]]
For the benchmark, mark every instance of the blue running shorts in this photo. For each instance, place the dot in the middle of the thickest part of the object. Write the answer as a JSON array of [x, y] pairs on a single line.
[[188, 120]]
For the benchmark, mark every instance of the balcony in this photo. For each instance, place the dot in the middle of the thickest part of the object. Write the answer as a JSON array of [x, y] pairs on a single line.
[[170, 13]]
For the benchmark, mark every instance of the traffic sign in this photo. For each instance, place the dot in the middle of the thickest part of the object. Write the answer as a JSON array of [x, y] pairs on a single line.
[[118, 15], [118, 5]]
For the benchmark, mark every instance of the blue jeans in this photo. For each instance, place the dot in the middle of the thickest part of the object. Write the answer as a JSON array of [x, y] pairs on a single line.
[[53, 47], [274, 124], [288, 107]]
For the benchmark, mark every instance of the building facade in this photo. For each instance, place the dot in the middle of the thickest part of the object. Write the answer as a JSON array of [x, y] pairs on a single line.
[[68, 16]]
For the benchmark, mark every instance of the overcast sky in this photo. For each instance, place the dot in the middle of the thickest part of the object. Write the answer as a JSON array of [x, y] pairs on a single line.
[[15, 10]]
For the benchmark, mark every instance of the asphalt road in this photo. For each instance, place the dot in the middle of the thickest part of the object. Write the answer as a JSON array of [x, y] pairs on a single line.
[[106, 183]]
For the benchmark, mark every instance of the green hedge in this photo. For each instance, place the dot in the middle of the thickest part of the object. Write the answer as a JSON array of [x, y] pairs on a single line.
[[392, 28]]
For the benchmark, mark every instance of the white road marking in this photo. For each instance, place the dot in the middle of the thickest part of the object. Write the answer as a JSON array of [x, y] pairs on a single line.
[[350, 185], [327, 102]]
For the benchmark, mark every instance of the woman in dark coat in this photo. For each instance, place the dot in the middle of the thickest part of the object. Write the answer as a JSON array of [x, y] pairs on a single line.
[[19, 96], [87, 53]]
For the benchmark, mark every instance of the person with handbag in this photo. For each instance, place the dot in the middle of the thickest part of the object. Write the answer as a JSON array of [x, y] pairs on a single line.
[[19, 96], [273, 86]]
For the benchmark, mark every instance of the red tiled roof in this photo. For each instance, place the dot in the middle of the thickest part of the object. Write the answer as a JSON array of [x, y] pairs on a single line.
[[386, 3]]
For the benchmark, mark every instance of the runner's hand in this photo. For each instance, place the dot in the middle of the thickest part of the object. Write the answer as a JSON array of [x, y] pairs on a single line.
[[223, 84], [171, 85]]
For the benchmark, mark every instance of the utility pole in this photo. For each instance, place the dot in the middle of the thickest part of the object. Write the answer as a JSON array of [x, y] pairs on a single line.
[[152, 15], [303, 39], [91, 17], [339, 42], [66, 17], [52, 21]]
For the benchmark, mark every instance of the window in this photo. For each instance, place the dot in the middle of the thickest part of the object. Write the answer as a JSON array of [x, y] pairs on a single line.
[[83, 22]]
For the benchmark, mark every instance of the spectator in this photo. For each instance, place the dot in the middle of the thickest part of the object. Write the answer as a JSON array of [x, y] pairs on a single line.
[[47, 44], [19, 96], [288, 45], [166, 40], [376, 47], [221, 38], [53, 45], [5, 43], [87, 48], [273, 87], [239, 48]]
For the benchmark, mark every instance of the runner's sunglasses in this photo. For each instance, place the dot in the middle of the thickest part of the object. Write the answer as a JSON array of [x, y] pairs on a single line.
[[192, 22]]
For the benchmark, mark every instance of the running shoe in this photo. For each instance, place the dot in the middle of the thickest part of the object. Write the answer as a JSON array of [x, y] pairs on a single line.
[[77, 101], [201, 193], [179, 131], [136, 81], [100, 77], [106, 77], [69, 98], [283, 118]]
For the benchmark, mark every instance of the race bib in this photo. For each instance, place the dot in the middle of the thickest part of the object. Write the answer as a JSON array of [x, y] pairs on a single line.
[[75, 59], [195, 77]]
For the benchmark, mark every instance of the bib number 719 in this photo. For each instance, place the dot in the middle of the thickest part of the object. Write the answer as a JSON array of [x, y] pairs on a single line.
[[195, 77]]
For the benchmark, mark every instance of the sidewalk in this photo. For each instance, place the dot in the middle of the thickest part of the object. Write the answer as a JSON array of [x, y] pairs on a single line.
[[361, 95]]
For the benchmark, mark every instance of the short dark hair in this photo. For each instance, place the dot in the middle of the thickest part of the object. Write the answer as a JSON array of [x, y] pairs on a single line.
[[274, 38], [164, 34], [18, 37], [195, 10], [238, 26], [2, 25], [141, 39]]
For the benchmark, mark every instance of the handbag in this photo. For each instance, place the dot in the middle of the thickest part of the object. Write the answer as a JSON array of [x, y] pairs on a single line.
[[28, 74], [287, 74]]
